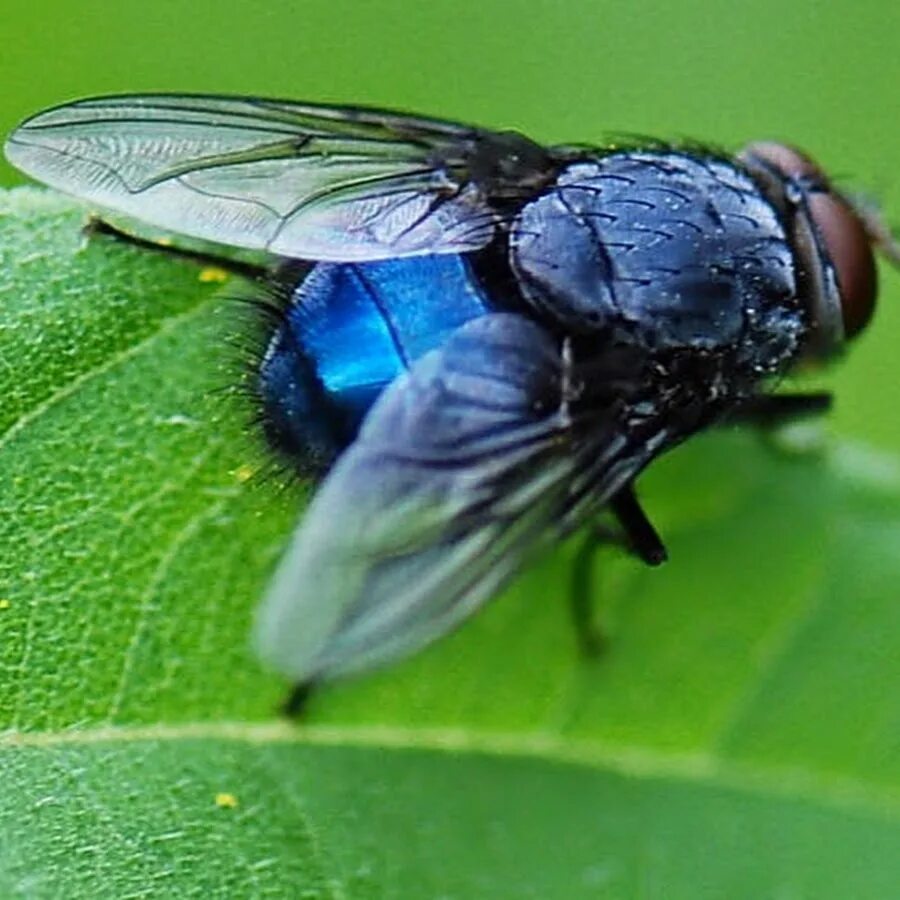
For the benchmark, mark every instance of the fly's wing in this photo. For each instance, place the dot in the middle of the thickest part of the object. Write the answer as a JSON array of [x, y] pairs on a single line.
[[298, 180], [466, 464]]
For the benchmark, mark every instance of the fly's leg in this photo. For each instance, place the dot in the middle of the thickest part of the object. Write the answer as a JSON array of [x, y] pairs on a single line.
[[777, 409], [637, 535], [232, 266], [640, 534], [581, 602], [295, 704], [769, 414]]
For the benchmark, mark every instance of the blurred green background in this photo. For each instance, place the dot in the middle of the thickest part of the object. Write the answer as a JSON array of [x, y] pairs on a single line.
[[823, 75]]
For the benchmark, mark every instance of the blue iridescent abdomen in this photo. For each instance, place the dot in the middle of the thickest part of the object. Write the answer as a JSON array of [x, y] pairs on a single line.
[[349, 329]]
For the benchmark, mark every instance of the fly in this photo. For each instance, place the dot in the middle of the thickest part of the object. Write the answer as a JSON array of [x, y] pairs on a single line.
[[483, 341]]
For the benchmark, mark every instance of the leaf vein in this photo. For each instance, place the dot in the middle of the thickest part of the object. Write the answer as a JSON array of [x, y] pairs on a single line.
[[822, 788]]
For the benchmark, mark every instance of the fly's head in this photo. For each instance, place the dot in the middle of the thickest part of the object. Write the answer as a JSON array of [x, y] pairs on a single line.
[[834, 239]]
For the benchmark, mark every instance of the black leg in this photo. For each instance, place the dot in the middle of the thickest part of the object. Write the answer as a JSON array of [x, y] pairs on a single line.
[[777, 409], [638, 536], [232, 266], [589, 636], [295, 705]]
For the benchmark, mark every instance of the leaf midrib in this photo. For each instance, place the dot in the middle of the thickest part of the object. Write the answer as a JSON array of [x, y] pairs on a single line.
[[827, 790]]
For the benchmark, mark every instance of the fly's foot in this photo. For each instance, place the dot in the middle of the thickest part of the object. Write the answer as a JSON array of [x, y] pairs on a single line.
[[297, 701], [637, 536]]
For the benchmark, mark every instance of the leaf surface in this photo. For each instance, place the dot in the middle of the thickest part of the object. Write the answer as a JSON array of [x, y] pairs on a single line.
[[740, 736]]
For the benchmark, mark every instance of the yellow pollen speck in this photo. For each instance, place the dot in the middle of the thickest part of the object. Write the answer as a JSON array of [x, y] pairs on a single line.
[[164, 242], [226, 801], [211, 274], [244, 473], [5, 604]]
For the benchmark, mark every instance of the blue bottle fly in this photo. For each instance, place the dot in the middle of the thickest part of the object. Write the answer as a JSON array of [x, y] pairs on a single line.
[[487, 340]]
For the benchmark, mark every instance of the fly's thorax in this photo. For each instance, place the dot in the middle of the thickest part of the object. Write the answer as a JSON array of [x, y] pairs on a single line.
[[668, 249], [687, 388]]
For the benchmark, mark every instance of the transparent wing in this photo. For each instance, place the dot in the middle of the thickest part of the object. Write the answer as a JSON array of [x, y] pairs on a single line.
[[465, 465], [299, 180]]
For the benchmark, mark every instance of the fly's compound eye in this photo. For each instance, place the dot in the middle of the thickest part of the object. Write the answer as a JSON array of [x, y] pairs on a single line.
[[850, 251], [832, 242]]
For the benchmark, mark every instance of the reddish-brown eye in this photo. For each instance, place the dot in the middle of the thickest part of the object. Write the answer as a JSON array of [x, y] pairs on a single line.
[[850, 250], [841, 231]]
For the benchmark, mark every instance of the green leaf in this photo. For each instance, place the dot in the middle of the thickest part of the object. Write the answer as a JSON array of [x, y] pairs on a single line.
[[740, 736]]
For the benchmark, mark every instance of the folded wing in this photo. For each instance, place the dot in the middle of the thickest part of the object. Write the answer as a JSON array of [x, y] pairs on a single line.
[[298, 180], [463, 467]]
